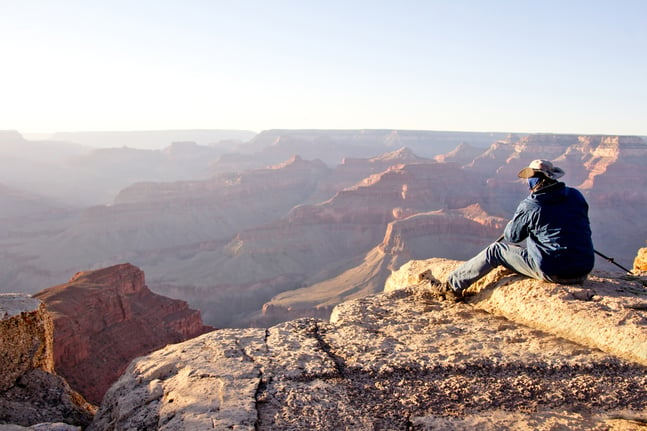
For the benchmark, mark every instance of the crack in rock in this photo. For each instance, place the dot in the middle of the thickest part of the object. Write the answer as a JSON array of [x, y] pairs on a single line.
[[262, 382], [340, 363]]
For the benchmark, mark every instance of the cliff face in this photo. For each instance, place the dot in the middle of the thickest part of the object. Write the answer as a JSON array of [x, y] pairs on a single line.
[[26, 334], [519, 354], [454, 233], [30, 392], [105, 318]]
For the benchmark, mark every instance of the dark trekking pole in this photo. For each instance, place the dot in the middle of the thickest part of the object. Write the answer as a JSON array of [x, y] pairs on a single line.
[[610, 259], [628, 276]]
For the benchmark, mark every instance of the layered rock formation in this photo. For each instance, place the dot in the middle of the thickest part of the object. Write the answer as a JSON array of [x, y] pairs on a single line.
[[318, 242], [462, 154], [607, 169], [317, 246], [243, 242], [153, 221], [105, 318], [353, 170], [332, 146], [30, 392], [413, 237], [403, 360]]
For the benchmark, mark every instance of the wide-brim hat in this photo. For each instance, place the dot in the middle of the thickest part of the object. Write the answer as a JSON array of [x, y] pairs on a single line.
[[541, 166]]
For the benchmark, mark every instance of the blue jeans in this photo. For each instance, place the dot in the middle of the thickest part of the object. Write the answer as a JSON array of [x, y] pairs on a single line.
[[513, 257]]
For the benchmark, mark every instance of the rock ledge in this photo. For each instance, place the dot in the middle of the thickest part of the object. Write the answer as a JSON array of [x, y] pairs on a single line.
[[397, 360]]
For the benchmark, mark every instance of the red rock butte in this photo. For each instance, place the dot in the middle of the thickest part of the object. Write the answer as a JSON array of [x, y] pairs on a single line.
[[105, 318]]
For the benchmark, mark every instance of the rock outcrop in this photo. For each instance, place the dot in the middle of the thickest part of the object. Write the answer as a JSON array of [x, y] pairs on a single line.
[[105, 318], [462, 154], [30, 391], [606, 313], [640, 262], [26, 335], [403, 360]]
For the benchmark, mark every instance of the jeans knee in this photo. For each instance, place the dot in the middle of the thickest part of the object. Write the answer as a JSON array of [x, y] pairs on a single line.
[[494, 253]]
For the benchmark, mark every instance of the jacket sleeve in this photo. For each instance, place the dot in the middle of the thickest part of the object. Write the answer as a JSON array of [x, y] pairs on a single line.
[[518, 228]]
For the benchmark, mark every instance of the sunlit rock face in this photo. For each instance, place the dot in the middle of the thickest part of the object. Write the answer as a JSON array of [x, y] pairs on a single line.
[[105, 318], [27, 332], [30, 391], [640, 262], [517, 355]]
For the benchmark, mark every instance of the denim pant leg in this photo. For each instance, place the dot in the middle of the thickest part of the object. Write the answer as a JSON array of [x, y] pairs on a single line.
[[513, 257]]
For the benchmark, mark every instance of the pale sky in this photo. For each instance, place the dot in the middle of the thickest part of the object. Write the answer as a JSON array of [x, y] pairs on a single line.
[[484, 65]]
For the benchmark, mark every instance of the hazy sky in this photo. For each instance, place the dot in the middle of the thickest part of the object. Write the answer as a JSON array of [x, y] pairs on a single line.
[[562, 66]]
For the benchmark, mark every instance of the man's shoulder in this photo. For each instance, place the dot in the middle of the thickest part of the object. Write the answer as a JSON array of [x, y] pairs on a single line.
[[572, 192], [529, 203]]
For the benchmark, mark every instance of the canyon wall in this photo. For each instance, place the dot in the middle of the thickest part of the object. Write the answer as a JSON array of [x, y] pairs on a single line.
[[250, 240], [105, 318]]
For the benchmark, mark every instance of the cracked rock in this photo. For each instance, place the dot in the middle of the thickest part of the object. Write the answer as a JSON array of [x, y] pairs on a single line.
[[401, 360]]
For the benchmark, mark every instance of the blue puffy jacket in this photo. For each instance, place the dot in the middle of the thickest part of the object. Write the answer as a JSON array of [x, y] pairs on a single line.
[[555, 223]]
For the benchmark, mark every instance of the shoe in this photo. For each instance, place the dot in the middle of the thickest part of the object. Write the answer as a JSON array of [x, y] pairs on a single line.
[[427, 275], [444, 292]]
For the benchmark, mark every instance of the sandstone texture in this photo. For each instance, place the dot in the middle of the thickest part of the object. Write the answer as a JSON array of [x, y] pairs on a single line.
[[26, 335], [105, 318], [402, 360], [40, 397], [640, 262], [605, 312], [30, 392]]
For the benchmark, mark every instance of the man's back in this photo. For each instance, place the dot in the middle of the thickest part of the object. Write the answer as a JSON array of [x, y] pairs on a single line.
[[559, 232]]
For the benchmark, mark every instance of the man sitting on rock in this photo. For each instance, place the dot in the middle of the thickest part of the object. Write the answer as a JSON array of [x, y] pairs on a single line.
[[553, 220]]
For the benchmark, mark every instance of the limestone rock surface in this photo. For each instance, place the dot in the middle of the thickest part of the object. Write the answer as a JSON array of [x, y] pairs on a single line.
[[401, 360], [26, 334], [105, 318], [606, 312], [30, 392]]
